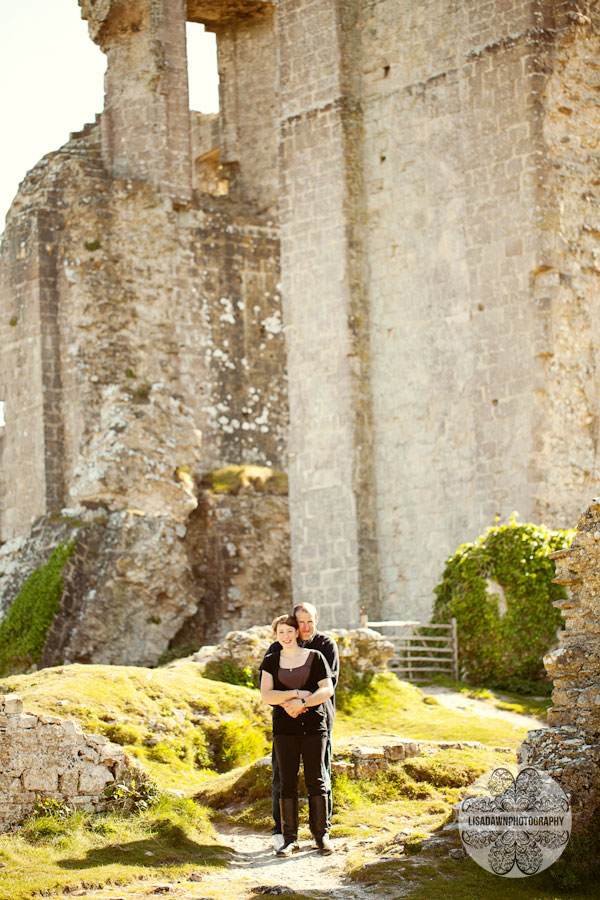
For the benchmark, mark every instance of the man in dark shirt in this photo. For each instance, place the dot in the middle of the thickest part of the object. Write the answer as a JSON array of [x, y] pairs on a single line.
[[307, 618]]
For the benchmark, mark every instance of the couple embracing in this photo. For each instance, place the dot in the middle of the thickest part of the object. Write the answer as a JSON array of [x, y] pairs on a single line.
[[298, 678]]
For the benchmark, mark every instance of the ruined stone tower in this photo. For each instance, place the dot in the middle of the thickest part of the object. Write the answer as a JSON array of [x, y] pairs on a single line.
[[417, 181]]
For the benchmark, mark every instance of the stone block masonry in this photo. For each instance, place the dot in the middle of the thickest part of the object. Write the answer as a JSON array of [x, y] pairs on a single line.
[[323, 287], [570, 748], [162, 349], [44, 757], [392, 225], [146, 120], [428, 156]]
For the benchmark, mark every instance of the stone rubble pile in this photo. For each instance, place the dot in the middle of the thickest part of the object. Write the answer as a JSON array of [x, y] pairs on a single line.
[[44, 757], [361, 649], [368, 762]]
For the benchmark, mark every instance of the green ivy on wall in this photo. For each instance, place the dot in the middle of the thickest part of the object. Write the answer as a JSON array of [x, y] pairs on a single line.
[[503, 634], [23, 631]]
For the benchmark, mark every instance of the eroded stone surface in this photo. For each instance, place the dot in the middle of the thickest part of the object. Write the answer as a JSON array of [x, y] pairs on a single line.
[[570, 748], [46, 758]]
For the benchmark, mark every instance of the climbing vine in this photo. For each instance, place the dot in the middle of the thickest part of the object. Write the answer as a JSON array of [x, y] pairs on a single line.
[[500, 591], [23, 631]]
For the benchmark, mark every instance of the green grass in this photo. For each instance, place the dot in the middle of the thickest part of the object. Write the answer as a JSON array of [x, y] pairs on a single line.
[[390, 705], [23, 632], [173, 721], [447, 879], [231, 479], [52, 855], [524, 705]]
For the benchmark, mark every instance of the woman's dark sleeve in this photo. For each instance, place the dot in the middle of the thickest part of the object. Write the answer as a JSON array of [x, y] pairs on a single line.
[[267, 665]]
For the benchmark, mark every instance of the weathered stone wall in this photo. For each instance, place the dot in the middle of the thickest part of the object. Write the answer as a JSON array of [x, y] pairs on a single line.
[[570, 748], [249, 116], [144, 346], [567, 288], [146, 120], [238, 550], [452, 199], [431, 168], [471, 200], [43, 757], [140, 584], [164, 341], [320, 201]]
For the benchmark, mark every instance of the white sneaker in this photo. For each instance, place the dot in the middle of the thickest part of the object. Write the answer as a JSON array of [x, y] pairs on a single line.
[[277, 841]]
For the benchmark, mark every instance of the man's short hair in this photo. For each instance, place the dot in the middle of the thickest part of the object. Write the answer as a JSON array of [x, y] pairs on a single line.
[[306, 607]]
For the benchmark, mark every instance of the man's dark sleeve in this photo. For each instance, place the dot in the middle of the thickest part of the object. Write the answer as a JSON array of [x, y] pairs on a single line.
[[268, 664], [331, 654], [322, 669]]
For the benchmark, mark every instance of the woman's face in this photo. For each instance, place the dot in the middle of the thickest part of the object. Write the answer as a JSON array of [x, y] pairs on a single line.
[[286, 635]]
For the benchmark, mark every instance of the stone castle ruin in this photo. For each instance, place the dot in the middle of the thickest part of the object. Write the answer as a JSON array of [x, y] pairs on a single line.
[[376, 269], [570, 748]]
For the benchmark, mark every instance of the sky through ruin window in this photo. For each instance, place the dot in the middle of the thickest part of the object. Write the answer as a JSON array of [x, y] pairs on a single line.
[[203, 74]]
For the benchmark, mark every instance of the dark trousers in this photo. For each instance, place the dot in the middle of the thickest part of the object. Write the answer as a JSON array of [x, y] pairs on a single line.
[[276, 790]]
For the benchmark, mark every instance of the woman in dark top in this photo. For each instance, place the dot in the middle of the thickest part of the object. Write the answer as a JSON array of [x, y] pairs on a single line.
[[294, 672]]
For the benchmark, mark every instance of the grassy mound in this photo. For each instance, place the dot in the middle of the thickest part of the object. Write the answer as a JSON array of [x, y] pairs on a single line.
[[174, 722], [399, 707]]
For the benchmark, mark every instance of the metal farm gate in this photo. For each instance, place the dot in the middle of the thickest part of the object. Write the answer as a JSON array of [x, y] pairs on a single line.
[[422, 650]]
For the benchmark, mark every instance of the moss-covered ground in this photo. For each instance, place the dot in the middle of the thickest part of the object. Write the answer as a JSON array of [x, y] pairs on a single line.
[[232, 479], [200, 737]]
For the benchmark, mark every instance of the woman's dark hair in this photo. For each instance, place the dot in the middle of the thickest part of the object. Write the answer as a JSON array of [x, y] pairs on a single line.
[[285, 620]]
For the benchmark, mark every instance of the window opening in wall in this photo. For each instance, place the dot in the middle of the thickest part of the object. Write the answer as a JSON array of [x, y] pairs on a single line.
[[203, 80], [203, 73], [2, 422]]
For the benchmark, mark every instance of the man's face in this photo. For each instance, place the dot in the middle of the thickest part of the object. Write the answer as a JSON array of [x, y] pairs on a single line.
[[307, 624]]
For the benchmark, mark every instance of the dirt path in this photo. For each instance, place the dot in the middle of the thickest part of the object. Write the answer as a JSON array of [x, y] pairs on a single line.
[[254, 872], [256, 866]]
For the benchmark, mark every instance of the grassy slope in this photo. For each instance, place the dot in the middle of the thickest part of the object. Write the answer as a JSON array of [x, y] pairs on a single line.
[[137, 707], [398, 707], [58, 856], [175, 703]]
